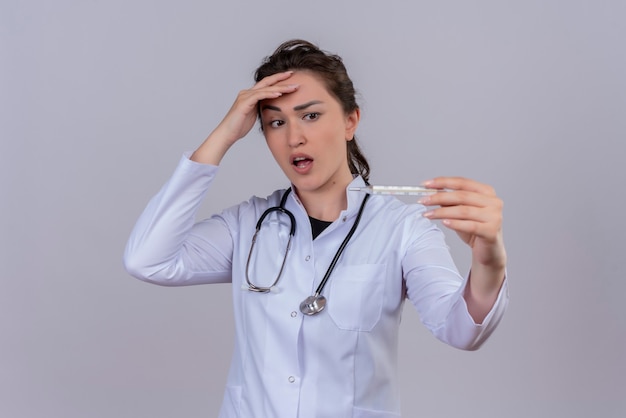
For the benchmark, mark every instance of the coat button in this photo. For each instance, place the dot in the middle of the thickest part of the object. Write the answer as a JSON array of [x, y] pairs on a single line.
[[291, 379], [307, 258], [294, 314]]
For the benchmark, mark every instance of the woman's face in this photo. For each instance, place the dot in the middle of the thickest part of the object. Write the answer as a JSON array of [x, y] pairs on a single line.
[[306, 132]]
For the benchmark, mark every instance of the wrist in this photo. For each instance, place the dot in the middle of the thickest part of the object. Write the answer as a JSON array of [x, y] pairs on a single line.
[[212, 150]]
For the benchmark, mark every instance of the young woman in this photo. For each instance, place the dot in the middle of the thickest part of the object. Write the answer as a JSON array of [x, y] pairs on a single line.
[[319, 272]]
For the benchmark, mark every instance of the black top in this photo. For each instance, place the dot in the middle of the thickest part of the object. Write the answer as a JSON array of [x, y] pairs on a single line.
[[318, 226]]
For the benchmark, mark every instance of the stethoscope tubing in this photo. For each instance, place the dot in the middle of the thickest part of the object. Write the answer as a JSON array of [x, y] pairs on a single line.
[[343, 245], [251, 286], [316, 302]]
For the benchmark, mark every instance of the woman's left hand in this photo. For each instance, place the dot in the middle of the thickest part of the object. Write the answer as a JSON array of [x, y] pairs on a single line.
[[474, 211]]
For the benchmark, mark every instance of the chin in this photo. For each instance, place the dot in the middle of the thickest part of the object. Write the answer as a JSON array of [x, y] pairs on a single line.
[[305, 184]]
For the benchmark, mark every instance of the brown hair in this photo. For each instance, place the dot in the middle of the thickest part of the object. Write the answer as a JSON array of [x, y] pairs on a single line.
[[302, 55]]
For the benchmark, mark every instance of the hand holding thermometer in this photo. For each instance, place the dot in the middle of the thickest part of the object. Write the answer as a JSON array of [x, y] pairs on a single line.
[[398, 190]]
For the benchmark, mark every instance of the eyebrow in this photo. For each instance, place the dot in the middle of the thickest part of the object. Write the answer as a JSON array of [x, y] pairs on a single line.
[[296, 108]]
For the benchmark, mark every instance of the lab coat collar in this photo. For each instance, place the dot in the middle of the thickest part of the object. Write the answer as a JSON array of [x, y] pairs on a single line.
[[355, 198]]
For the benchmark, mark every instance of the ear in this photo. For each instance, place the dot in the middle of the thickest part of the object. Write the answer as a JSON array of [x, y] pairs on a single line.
[[352, 122]]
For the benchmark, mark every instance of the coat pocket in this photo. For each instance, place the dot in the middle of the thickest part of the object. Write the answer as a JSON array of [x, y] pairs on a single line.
[[356, 296]]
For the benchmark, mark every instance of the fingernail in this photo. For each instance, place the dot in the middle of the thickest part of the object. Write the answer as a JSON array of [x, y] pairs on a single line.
[[428, 214], [427, 182], [424, 200]]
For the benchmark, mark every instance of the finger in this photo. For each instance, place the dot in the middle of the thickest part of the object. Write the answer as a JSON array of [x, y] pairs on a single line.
[[471, 228], [253, 96], [279, 89], [452, 198], [460, 183], [272, 79], [469, 213], [464, 198]]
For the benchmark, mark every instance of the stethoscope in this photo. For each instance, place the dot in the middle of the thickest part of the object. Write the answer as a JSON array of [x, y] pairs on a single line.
[[316, 302]]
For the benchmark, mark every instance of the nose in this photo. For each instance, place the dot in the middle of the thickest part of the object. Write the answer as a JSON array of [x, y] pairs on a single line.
[[295, 135]]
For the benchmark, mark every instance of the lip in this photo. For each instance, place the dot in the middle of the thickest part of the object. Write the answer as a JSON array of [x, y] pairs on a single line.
[[303, 167]]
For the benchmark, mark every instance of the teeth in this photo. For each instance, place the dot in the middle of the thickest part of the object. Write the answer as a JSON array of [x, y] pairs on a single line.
[[298, 159]]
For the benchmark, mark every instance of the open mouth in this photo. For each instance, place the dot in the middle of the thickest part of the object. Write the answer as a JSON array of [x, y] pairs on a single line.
[[301, 162]]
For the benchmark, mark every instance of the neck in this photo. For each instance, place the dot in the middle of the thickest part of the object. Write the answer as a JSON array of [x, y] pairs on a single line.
[[326, 204]]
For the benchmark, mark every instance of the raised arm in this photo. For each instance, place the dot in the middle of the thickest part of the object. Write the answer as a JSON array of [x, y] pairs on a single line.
[[240, 118], [167, 246]]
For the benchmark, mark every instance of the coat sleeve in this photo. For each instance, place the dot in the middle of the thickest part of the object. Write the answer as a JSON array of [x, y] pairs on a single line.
[[436, 289], [167, 247]]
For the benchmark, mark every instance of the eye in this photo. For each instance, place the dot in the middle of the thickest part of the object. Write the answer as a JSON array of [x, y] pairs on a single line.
[[311, 116], [276, 123]]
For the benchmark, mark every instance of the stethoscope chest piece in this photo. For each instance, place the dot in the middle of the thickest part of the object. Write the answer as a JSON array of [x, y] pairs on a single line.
[[313, 304]]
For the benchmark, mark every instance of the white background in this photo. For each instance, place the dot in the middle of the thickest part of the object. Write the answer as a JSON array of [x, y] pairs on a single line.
[[99, 99]]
